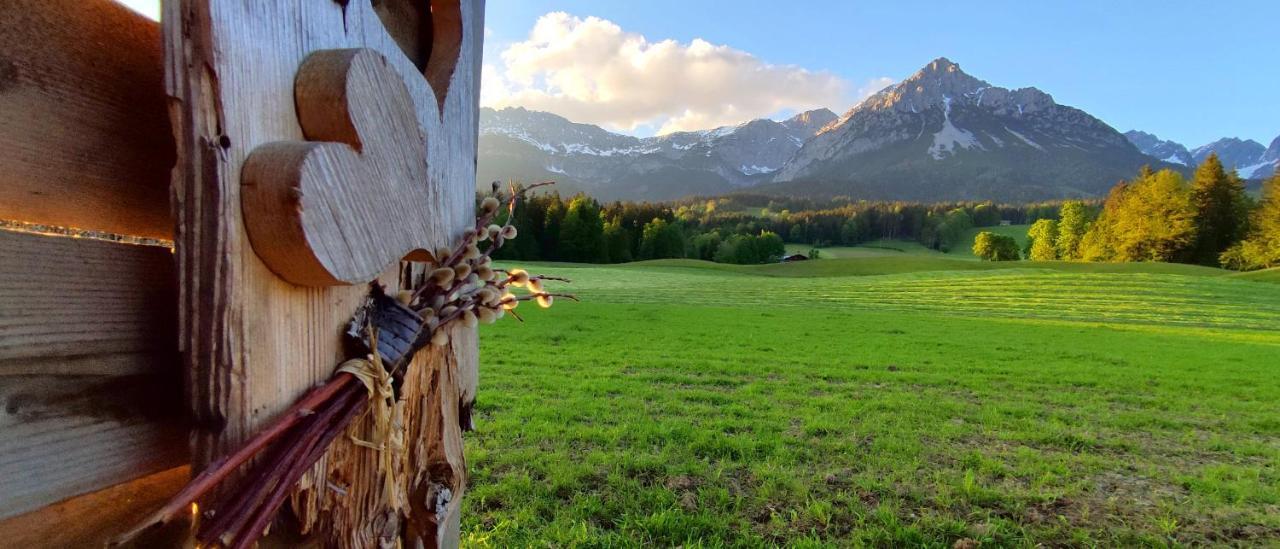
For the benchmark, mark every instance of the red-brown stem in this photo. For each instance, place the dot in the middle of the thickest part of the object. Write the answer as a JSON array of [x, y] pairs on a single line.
[[231, 513], [268, 473], [221, 468], [316, 450]]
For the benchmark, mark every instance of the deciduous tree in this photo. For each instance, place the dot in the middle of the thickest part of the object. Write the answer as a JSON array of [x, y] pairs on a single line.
[[995, 247], [582, 232], [1042, 240], [661, 239], [1072, 225], [1261, 249]]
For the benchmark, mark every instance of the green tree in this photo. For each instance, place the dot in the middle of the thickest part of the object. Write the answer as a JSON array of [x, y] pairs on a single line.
[[582, 232], [953, 227], [986, 215], [1098, 244], [856, 229], [1222, 210], [767, 247], [770, 247], [1073, 223], [1261, 249], [995, 247], [796, 234], [661, 239], [617, 240], [552, 217], [706, 245], [739, 249], [1041, 240]]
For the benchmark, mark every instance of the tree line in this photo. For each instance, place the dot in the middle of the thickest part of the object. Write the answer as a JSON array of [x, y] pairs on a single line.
[[1156, 216], [1159, 216], [740, 228]]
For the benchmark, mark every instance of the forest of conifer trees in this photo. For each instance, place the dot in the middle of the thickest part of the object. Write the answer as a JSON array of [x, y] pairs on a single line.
[[1156, 216]]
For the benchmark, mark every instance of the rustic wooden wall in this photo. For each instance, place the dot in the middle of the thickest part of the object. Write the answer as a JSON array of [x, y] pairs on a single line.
[[84, 140], [89, 427], [90, 381]]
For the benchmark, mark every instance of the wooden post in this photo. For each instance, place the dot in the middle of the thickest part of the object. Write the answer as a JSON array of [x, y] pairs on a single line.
[[252, 341]]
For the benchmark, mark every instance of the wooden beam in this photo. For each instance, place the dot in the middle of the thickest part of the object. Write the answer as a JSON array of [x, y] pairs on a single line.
[[90, 392], [85, 140], [82, 306], [93, 519], [251, 341]]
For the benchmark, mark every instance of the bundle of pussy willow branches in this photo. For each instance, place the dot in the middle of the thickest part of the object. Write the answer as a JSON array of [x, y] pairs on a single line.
[[461, 286]]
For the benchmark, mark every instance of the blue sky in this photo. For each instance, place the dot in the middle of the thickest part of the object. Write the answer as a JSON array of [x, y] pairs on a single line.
[[1187, 71]]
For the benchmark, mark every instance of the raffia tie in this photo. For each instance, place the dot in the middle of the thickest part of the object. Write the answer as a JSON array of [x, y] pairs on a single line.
[[388, 419]]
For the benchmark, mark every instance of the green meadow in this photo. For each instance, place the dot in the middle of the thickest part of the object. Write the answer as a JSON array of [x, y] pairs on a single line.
[[899, 248], [899, 399]]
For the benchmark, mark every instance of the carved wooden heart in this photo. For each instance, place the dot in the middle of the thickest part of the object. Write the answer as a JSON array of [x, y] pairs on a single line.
[[340, 207]]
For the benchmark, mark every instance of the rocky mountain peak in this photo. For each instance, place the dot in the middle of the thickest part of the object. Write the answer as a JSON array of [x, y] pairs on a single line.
[[1153, 146], [809, 122], [940, 66], [1235, 153], [942, 83], [1273, 152], [943, 132]]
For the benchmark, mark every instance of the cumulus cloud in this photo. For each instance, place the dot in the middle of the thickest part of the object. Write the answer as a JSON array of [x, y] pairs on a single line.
[[591, 70]]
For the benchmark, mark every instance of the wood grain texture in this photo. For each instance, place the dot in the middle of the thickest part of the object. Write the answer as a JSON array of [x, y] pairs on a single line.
[[92, 519], [319, 212], [252, 342], [82, 306], [89, 381], [84, 137]]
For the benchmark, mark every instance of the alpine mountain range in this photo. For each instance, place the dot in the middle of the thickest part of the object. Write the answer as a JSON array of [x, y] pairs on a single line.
[[940, 134]]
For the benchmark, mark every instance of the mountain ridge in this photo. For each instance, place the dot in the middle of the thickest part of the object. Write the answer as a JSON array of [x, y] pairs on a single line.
[[1168, 151], [943, 134], [939, 134], [516, 142]]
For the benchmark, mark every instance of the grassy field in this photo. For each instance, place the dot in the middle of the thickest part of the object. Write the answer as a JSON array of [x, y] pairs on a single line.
[[1266, 275], [965, 246], [898, 248], [911, 400], [843, 252]]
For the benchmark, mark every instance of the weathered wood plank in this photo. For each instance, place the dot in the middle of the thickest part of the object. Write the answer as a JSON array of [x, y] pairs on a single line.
[[93, 519], [84, 134], [82, 306], [64, 436], [252, 342], [90, 391]]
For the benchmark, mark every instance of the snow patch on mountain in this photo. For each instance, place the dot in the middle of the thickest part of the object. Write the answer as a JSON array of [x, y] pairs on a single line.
[[950, 137], [1024, 139], [756, 170], [1249, 172]]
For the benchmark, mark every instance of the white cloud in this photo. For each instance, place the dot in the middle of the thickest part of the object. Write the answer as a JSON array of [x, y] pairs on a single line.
[[149, 8], [591, 70]]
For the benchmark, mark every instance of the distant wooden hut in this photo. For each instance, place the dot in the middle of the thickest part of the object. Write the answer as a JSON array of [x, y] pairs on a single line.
[[795, 257]]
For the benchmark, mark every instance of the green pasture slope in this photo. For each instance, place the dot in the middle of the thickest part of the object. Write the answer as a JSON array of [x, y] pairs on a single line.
[[964, 248], [885, 401], [890, 248]]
